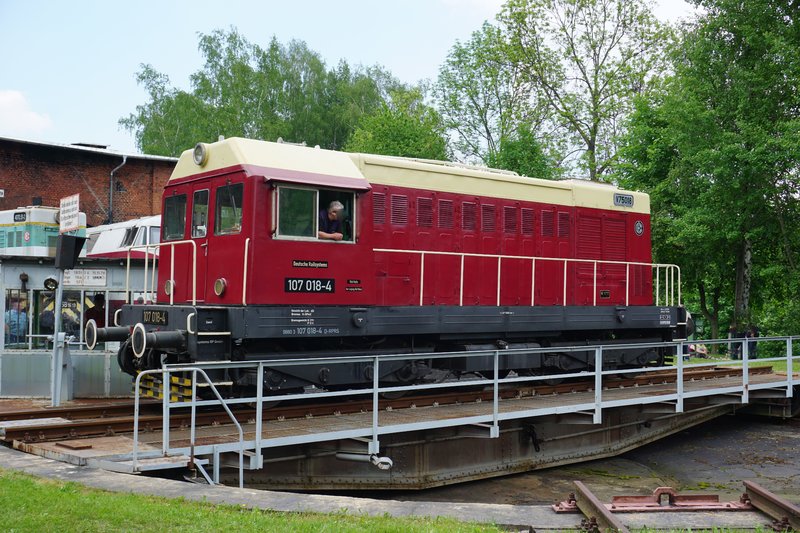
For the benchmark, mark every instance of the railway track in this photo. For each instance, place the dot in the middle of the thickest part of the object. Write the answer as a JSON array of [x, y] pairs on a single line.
[[624, 512], [50, 424]]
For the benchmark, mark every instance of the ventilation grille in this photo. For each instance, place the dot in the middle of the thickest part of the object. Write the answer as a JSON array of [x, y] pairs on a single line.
[[399, 210], [527, 221], [547, 223], [378, 208], [488, 218], [425, 212], [468, 216], [446, 214]]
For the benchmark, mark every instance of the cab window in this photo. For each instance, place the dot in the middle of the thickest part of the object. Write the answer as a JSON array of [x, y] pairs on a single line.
[[228, 212], [200, 213], [301, 209], [174, 217]]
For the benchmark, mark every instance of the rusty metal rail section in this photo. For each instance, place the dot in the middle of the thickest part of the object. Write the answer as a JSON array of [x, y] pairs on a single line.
[[785, 514], [599, 516]]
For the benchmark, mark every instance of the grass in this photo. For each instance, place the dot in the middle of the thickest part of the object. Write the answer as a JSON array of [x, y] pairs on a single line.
[[31, 504], [777, 366]]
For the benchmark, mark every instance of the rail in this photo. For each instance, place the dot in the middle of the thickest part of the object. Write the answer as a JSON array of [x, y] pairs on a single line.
[[775, 385], [671, 284], [151, 289]]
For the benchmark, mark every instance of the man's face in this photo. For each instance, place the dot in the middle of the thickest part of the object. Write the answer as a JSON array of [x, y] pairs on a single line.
[[332, 215]]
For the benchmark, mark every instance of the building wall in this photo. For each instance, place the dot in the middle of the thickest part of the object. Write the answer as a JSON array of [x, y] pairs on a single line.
[[34, 170]]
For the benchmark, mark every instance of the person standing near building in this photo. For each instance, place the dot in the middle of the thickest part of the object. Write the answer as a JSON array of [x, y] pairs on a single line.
[[16, 322]]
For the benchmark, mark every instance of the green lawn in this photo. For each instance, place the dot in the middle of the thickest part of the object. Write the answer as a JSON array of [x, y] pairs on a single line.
[[31, 504]]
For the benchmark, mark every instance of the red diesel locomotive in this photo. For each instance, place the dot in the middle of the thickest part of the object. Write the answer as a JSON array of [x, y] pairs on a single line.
[[425, 257]]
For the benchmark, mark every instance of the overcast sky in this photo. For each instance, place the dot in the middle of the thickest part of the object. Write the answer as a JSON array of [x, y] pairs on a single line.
[[67, 68]]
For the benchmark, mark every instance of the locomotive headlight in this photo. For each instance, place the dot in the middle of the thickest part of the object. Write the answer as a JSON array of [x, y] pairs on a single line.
[[50, 284], [219, 286], [169, 286], [200, 154]]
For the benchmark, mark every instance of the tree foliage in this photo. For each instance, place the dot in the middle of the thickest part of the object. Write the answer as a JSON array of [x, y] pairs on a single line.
[[586, 59], [248, 91], [719, 154], [405, 126]]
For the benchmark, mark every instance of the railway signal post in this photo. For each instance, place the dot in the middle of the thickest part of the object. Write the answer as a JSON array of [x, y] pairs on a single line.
[[67, 250]]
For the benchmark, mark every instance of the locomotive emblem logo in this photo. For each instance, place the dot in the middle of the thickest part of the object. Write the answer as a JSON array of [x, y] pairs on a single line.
[[638, 227]]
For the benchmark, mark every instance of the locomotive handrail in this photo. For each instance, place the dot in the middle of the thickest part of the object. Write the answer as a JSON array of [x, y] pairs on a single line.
[[153, 288], [671, 271]]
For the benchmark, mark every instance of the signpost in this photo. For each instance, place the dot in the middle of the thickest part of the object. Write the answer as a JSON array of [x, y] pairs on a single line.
[[67, 250]]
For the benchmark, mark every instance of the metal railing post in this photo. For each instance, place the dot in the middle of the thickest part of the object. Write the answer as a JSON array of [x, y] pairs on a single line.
[[564, 301], [627, 284], [594, 284], [499, 270], [165, 413], [789, 369], [461, 287], [259, 407], [598, 385], [494, 432], [374, 444], [421, 276], [533, 280], [679, 379], [658, 284], [136, 383], [745, 371]]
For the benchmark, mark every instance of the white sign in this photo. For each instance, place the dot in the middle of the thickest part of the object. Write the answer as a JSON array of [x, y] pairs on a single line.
[[85, 277], [69, 214]]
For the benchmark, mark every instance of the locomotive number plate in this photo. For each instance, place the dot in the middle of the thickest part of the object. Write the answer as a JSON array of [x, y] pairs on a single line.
[[157, 318], [309, 285]]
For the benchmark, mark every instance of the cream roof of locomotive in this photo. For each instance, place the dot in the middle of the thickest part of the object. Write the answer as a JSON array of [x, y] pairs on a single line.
[[445, 177], [403, 172], [270, 156]]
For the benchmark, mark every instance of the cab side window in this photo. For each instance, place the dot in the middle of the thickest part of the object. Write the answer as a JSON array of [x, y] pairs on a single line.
[[174, 217], [296, 212], [200, 213], [228, 212], [301, 209]]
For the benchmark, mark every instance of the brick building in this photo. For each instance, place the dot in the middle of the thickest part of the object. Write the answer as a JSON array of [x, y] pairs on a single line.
[[41, 173]]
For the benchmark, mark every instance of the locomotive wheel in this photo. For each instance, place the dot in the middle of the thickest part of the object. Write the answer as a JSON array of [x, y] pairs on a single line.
[[125, 358]]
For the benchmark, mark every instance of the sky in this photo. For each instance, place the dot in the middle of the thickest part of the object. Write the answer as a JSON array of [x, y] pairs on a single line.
[[68, 68]]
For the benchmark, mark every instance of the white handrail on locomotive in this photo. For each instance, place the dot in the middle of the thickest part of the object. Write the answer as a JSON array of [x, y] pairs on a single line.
[[670, 271], [152, 289]]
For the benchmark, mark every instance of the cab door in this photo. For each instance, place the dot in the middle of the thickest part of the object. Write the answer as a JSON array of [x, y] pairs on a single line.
[[198, 233], [226, 243]]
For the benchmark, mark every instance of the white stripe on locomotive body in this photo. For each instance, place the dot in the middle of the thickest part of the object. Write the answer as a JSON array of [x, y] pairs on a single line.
[[359, 171], [32, 231]]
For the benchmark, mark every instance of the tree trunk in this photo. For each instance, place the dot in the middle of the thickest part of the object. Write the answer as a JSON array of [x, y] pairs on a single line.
[[710, 313], [744, 266]]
